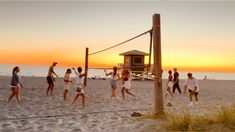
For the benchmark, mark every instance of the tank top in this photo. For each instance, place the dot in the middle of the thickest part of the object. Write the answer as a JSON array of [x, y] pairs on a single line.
[[67, 77], [78, 79], [15, 79], [115, 77]]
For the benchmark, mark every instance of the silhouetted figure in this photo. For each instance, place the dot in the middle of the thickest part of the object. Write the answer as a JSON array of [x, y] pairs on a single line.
[[176, 81]]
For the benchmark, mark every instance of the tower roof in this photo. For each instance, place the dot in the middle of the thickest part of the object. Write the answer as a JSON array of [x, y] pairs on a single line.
[[134, 52]]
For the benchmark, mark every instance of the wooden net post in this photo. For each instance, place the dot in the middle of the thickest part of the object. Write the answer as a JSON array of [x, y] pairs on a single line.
[[158, 99], [86, 66]]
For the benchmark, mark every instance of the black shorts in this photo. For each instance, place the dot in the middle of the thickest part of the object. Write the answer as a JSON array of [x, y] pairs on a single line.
[[196, 93], [50, 80]]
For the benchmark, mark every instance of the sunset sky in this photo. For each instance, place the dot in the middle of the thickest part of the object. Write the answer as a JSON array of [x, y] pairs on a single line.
[[195, 35]]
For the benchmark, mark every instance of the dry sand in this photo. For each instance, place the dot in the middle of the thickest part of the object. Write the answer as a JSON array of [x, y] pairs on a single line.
[[37, 112]]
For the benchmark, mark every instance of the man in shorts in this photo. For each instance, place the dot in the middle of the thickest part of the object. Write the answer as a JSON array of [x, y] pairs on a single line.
[[50, 78], [192, 84]]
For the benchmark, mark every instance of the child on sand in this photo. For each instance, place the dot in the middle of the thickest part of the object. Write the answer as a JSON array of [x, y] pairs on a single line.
[[114, 79], [169, 84], [192, 84], [79, 86], [15, 84], [126, 83], [67, 82]]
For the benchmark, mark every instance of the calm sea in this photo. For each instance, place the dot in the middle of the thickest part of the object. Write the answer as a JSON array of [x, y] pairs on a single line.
[[41, 71]]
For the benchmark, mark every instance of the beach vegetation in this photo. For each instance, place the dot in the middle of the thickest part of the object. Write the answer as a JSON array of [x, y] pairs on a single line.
[[179, 122], [226, 117], [223, 120]]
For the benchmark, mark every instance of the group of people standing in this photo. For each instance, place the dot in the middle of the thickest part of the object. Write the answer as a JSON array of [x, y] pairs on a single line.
[[67, 82], [125, 81], [16, 84], [172, 84], [191, 84]]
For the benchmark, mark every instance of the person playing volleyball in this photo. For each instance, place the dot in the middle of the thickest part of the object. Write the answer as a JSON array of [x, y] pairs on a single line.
[[192, 84], [15, 84], [79, 86], [114, 79], [67, 82], [169, 84], [126, 84], [51, 79]]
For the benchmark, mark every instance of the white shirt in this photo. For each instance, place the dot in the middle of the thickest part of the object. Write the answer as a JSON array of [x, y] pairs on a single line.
[[114, 77], [191, 84], [170, 84], [67, 77], [78, 79]]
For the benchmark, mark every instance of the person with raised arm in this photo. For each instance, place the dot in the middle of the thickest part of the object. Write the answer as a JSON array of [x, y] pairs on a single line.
[[114, 79], [79, 86], [126, 84]]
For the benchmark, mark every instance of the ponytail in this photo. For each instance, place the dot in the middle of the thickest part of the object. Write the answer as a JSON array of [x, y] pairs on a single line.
[[14, 69]]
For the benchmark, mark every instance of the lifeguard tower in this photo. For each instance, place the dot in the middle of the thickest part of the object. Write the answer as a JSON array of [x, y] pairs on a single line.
[[134, 60]]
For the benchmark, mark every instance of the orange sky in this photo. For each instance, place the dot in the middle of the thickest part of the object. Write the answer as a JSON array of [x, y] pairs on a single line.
[[195, 35]]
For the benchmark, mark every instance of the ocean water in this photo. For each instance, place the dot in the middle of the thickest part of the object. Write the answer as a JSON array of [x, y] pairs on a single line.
[[41, 71]]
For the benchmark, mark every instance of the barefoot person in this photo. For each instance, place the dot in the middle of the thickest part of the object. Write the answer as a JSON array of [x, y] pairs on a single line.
[[15, 84], [126, 83], [67, 82], [50, 78], [169, 84], [176, 81], [114, 79], [192, 84], [79, 86]]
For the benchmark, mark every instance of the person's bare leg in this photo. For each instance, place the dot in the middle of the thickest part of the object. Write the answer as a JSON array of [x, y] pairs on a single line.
[[17, 94], [19, 89], [65, 94], [113, 93], [166, 93], [169, 91], [48, 89], [196, 97], [75, 99], [83, 100], [190, 96], [12, 95], [127, 91], [123, 94], [52, 87], [190, 99]]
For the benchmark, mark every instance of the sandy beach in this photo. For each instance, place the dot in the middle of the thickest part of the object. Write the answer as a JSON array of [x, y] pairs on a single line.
[[38, 112]]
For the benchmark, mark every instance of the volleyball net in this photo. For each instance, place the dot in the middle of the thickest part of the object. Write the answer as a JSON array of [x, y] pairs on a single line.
[[133, 53]]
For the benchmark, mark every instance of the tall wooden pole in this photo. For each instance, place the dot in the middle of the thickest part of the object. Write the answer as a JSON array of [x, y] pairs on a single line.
[[157, 64], [86, 66]]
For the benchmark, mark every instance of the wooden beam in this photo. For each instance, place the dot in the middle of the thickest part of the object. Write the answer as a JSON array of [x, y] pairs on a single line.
[[86, 66], [158, 99]]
